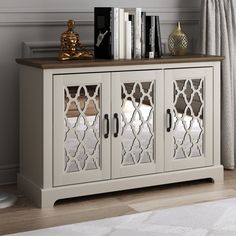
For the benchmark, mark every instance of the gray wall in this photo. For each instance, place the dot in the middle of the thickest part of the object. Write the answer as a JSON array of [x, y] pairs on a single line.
[[31, 28]]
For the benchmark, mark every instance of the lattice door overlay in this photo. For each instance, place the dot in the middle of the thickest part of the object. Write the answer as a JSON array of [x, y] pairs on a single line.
[[82, 128], [137, 131], [188, 112]]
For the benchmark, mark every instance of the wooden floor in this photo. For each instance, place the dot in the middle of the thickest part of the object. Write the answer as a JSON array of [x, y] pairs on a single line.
[[25, 216]]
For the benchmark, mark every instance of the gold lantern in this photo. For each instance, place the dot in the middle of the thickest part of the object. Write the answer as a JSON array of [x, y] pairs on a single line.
[[178, 42]]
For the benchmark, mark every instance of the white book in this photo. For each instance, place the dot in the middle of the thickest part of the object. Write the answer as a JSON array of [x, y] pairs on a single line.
[[126, 16], [137, 34], [121, 34], [128, 35], [115, 32]]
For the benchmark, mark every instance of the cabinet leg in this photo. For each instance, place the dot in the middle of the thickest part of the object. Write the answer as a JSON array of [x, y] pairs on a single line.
[[47, 203], [218, 176], [37, 195]]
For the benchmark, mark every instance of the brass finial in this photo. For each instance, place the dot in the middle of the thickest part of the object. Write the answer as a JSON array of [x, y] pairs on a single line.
[[71, 48]]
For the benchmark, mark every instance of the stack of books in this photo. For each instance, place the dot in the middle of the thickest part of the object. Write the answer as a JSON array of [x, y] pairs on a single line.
[[126, 34]]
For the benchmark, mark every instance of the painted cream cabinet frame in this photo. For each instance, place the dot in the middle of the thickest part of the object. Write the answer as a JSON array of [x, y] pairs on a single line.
[[36, 177]]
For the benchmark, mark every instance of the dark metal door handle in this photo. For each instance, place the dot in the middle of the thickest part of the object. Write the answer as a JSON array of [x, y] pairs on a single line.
[[169, 125], [116, 117], [106, 117]]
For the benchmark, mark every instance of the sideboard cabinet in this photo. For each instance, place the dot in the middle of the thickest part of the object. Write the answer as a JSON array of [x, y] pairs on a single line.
[[90, 127]]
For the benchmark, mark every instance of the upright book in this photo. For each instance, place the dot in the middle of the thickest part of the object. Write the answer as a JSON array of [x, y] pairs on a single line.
[[137, 34], [158, 44], [102, 32], [115, 32], [143, 33], [153, 37], [131, 19], [150, 36], [121, 33], [128, 36]]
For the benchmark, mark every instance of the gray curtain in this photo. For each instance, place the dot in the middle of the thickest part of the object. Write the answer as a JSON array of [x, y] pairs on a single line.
[[218, 25]]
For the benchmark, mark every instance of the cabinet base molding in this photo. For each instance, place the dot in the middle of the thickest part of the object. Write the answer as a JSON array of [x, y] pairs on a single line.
[[45, 198]]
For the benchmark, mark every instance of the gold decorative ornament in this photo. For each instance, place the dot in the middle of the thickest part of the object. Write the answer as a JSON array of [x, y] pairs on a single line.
[[71, 48], [178, 42]]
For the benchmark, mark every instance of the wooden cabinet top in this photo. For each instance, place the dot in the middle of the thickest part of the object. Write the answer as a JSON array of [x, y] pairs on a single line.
[[53, 63]]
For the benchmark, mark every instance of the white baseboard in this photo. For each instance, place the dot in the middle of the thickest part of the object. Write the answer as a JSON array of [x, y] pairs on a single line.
[[8, 174]]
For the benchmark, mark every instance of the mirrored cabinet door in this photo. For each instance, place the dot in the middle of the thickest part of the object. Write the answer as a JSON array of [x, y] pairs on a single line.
[[189, 120], [81, 128], [137, 134]]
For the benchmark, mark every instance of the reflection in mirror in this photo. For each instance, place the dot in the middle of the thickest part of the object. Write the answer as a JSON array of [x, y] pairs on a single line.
[[137, 135], [82, 128], [188, 128]]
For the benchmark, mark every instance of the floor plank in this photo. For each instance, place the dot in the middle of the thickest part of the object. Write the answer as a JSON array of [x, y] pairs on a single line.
[[182, 200], [24, 216]]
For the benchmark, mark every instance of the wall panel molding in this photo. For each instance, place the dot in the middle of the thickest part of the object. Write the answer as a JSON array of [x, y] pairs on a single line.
[[58, 17], [46, 48], [78, 10]]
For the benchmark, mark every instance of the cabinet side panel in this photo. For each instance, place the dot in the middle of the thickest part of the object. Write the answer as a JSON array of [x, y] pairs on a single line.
[[217, 114], [31, 124]]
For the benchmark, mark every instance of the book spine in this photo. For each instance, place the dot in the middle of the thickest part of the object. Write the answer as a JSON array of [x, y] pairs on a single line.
[[115, 32], [147, 34], [158, 49], [131, 19], [126, 33], [152, 34], [126, 16], [143, 34], [137, 32], [121, 34], [128, 51]]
